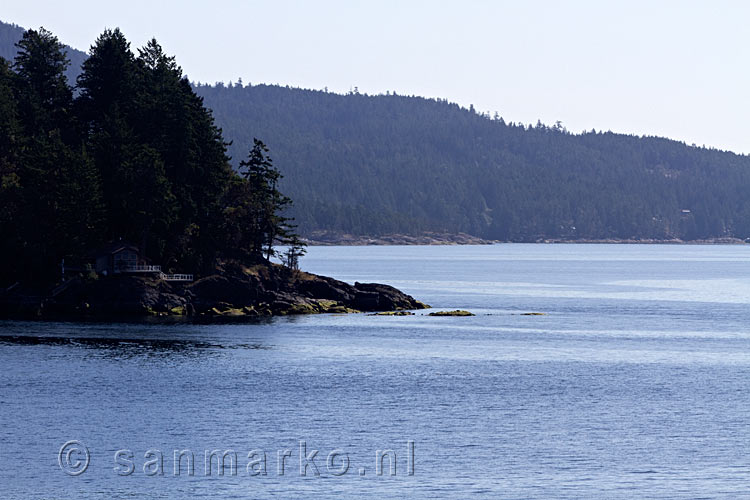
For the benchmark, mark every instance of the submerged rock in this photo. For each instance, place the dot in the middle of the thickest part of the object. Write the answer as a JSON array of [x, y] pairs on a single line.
[[393, 313], [457, 312]]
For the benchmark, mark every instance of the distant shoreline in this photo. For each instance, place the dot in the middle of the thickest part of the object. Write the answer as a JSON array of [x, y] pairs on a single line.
[[433, 239], [710, 241], [343, 239]]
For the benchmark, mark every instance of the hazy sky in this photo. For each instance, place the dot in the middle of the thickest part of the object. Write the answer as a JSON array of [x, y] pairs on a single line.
[[679, 69]]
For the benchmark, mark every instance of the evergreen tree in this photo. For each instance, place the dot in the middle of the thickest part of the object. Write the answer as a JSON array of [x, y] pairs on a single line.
[[135, 156], [108, 88], [44, 97], [151, 205], [162, 160], [61, 193], [11, 194], [173, 121], [263, 178], [255, 212], [295, 250]]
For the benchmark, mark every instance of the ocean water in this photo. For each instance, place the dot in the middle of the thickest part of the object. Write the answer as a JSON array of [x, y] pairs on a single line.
[[635, 383]]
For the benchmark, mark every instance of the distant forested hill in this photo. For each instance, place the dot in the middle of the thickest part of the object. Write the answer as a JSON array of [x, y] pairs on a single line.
[[375, 165], [390, 163]]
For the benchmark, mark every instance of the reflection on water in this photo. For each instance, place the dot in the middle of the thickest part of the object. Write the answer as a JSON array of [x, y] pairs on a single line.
[[126, 347]]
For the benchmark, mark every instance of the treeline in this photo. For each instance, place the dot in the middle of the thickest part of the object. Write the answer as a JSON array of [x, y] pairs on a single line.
[[398, 164], [389, 163], [132, 155]]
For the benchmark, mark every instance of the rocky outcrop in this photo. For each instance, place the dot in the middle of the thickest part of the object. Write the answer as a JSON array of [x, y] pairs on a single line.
[[457, 312], [233, 290], [392, 313], [425, 238]]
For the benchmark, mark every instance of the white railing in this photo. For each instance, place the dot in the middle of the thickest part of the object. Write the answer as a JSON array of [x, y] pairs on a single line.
[[177, 277], [154, 269], [138, 269]]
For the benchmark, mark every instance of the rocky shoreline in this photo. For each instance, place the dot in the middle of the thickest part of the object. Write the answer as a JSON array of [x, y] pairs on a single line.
[[328, 238], [233, 291], [674, 241]]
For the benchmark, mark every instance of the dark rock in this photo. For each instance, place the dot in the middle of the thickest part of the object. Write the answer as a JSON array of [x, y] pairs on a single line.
[[366, 301], [388, 297], [211, 291], [326, 288], [126, 295], [457, 312], [234, 290]]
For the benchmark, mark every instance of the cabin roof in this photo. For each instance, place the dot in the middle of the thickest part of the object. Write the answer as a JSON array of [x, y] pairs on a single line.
[[113, 248]]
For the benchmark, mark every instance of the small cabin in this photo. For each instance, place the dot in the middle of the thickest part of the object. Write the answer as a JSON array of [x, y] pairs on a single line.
[[121, 257]]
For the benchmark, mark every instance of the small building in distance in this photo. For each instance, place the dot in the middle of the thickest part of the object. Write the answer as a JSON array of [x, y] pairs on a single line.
[[121, 257]]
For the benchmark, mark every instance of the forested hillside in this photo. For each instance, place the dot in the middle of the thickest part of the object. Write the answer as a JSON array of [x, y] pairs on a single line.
[[375, 165], [390, 163]]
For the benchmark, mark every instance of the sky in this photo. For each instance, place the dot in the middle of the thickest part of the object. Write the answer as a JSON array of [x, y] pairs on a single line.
[[678, 69]]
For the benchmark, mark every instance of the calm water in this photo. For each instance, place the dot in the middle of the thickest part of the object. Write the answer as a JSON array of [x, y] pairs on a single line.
[[635, 384]]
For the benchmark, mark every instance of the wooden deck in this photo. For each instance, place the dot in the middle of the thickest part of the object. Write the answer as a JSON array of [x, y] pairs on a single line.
[[155, 270], [138, 269]]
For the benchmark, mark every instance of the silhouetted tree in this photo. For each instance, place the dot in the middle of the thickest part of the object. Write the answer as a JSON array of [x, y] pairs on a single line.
[[257, 206]]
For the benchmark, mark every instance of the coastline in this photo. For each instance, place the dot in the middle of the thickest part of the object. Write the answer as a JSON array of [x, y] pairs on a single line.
[[234, 290], [330, 238], [428, 239], [675, 241]]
